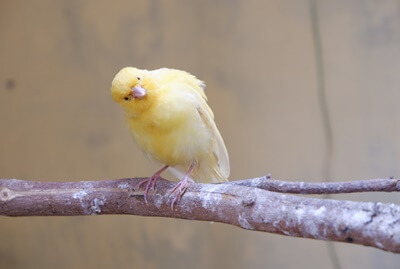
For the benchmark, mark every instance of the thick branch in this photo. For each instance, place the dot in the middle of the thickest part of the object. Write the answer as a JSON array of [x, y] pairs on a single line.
[[370, 224]]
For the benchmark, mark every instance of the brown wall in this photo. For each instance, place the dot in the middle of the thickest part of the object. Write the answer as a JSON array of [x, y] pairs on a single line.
[[268, 66]]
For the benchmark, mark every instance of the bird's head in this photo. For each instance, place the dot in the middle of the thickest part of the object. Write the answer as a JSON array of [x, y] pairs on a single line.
[[134, 90]]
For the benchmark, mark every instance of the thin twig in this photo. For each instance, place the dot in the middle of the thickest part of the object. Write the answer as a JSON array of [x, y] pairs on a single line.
[[252, 208], [370, 185]]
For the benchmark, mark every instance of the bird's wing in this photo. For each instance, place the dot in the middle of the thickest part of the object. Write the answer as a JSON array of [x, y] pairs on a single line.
[[218, 146], [216, 167], [218, 163]]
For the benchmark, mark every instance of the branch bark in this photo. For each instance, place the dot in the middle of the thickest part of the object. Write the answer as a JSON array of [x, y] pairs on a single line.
[[369, 185], [244, 203]]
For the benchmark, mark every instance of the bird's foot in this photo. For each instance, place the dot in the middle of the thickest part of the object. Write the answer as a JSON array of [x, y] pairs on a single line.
[[182, 185], [151, 182], [179, 189]]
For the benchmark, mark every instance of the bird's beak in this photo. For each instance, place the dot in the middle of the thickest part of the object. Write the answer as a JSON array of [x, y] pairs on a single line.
[[138, 92]]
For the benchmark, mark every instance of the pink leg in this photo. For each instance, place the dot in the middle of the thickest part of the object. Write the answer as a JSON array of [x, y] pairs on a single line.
[[181, 186], [151, 181]]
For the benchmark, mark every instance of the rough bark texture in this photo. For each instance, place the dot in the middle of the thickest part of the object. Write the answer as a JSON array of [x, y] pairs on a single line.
[[243, 204]]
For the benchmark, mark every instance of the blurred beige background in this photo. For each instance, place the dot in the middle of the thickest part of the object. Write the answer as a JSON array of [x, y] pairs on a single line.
[[304, 90]]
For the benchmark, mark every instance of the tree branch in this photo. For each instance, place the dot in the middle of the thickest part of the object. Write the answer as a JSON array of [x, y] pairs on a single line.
[[370, 185], [243, 203]]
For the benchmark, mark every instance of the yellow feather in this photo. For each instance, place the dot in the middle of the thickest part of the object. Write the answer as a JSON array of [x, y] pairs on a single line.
[[173, 123]]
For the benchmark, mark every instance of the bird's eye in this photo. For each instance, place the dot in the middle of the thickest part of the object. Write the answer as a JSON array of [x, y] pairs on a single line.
[[138, 78], [126, 98]]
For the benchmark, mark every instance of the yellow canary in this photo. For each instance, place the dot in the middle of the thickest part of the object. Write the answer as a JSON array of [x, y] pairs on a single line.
[[169, 119]]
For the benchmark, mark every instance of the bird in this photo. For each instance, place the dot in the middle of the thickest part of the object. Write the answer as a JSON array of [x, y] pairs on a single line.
[[169, 119]]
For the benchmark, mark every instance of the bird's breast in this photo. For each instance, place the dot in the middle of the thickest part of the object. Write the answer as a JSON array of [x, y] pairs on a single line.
[[173, 139]]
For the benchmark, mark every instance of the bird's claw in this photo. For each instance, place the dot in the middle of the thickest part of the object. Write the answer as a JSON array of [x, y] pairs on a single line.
[[150, 184], [180, 189]]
